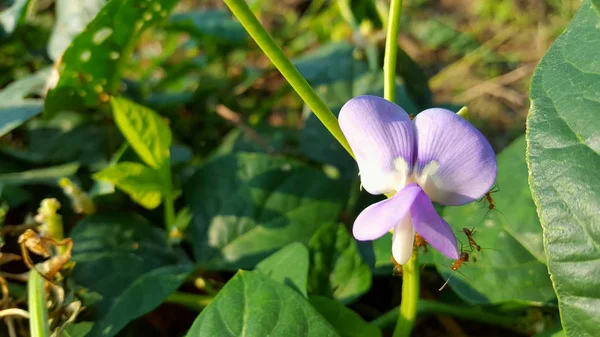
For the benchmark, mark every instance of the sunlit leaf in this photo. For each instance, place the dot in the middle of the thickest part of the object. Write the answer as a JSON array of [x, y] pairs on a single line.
[[71, 19], [91, 67], [247, 205], [145, 130], [143, 184]]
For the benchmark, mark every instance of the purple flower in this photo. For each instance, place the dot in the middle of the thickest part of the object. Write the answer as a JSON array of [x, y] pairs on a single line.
[[438, 156]]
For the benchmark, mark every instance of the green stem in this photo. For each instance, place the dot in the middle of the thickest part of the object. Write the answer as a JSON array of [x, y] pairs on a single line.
[[191, 301], [242, 12], [472, 313], [38, 314], [391, 51], [410, 297]]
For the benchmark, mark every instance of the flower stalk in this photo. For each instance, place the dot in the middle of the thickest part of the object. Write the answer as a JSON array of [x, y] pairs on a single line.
[[410, 272], [267, 44], [391, 50]]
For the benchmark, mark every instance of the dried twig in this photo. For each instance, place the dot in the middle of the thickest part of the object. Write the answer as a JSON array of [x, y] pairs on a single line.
[[235, 119]]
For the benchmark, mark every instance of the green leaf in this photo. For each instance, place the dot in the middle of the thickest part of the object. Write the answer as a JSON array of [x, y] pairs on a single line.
[[246, 205], [47, 175], [71, 19], [92, 65], [211, 26], [337, 269], [145, 130], [127, 261], [345, 321], [563, 158], [251, 304], [143, 184], [80, 329], [289, 266], [12, 16], [15, 107], [510, 237], [13, 114]]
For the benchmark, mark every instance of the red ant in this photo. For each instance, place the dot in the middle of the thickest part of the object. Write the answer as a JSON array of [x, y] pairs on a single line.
[[472, 244], [464, 257], [397, 268], [420, 242]]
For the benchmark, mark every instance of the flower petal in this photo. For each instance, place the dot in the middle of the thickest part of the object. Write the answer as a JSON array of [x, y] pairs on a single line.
[[382, 137], [455, 163], [379, 218], [403, 240], [432, 228]]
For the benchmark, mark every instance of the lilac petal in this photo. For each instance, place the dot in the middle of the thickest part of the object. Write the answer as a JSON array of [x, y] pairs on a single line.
[[382, 137], [455, 163], [432, 228], [403, 240], [379, 218]]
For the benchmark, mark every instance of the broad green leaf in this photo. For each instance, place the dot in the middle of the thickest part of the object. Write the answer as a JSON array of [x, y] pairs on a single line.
[[345, 321], [127, 261], [71, 19], [211, 26], [511, 256], [48, 175], [12, 16], [247, 205], [143, 184], [251, 304], [564, 157], [91, 67], [289, 266], [144, 129], [337, 269], [21, 89]]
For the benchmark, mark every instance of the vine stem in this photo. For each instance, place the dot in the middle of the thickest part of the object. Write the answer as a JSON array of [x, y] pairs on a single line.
[[265, 41], [391, 50]]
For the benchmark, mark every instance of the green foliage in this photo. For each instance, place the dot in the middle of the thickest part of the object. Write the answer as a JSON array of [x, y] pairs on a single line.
[[15, 106], [127, 262], [210, 27], [251, 304], [337, 269], [145, 130], [66, 28], [289, 266], [142, 183], [511, 256], [247, 205], [106, 43], [563, 157]]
